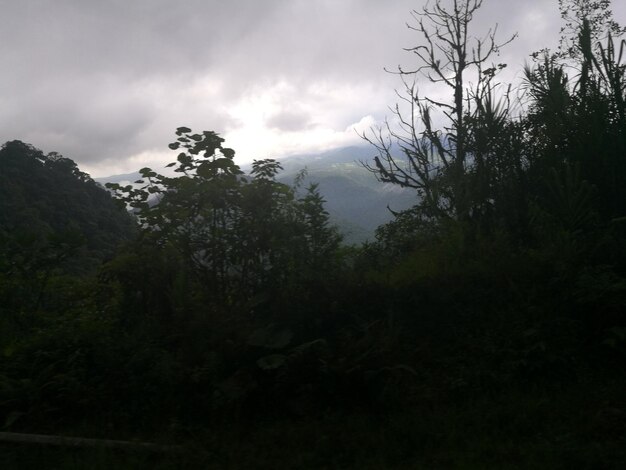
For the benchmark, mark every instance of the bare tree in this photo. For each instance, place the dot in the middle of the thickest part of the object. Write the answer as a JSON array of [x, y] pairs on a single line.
[[434, 160]]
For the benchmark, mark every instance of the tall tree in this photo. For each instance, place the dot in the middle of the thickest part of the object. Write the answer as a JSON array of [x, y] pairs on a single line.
[[577, 118], [435, 160], [237, 233]]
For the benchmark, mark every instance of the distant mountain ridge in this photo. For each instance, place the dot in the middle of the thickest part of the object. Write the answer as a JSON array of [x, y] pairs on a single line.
[[357, 202]]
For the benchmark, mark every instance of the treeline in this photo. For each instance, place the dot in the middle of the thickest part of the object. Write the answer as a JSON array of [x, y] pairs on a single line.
[[483, 327], [529, 195]]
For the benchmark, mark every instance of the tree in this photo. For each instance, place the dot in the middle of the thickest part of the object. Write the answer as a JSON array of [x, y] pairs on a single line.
[[321, 238], [577, 118], [600, 24], [435, 161], [238, 234]]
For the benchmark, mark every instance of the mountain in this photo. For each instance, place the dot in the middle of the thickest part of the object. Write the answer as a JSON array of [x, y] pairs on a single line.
[[49, 208], [356, 202]]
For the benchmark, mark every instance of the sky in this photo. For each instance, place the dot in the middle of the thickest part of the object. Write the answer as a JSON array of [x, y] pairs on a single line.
[[107, 82]]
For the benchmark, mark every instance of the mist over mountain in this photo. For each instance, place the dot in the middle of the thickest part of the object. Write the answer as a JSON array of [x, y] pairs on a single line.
[[356, 202]]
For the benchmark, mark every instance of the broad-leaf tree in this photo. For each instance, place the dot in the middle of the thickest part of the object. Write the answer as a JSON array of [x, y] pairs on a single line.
[[239, 234]]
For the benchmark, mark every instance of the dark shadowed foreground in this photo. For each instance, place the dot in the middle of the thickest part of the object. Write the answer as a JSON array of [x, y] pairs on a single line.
[[483, 328]]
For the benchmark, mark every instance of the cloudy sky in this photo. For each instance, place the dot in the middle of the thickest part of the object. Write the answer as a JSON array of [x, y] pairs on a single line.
[[106, 82]]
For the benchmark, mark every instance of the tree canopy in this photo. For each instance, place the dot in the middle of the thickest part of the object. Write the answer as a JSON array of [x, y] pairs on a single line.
[[239, 233]]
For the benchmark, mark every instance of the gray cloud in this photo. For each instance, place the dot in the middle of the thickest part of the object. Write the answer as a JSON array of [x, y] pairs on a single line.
[[102, 81], [289, 121]]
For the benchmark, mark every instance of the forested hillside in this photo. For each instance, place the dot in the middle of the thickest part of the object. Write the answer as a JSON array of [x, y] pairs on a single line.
[[484, 327], [56, 224], [356, 202], [46, 198]]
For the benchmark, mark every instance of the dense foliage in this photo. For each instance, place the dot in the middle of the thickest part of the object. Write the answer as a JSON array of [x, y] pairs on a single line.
[[46, 197], [483, 328], [240, 235], [56, 224]]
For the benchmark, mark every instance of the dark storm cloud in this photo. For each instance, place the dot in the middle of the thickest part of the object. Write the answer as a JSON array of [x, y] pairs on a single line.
[[105, 80]]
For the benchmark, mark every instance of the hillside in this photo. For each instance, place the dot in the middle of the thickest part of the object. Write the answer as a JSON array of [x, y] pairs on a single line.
[[355, 200], [48, 205]]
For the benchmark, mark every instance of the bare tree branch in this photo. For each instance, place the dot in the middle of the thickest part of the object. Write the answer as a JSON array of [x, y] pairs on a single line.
[[434, 161]]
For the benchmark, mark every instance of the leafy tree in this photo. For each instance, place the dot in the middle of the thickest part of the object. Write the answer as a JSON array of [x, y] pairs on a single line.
[[238, 234], [600, 24], [577, 121], [322, 239]]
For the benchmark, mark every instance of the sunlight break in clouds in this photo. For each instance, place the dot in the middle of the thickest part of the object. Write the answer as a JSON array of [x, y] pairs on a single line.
[[330, 123]]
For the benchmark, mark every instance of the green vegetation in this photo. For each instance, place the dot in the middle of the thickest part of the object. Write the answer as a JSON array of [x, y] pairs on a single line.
[[483, 328], [356, 202]]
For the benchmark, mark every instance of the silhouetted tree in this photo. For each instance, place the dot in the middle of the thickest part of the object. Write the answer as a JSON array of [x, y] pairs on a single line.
[[577, 117], [435, 161], [600, 24], [239, 234]]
